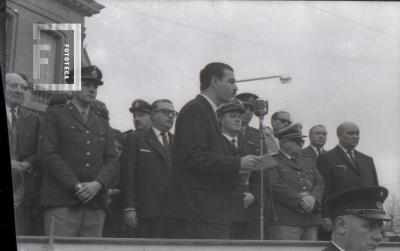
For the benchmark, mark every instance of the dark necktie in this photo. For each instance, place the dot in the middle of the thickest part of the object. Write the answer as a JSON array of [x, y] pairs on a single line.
[[165, 140], [13, 132], [233, 141], [353, 160], [166, 146], [13, 116], [319, 150]]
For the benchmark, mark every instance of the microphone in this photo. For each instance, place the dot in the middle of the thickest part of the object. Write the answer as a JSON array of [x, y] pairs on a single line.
[[261, 108]]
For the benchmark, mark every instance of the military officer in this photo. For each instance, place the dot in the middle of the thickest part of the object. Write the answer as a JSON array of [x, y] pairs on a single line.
[[297, 187], [79, 162], [358, 218], [250, 138], [140, 110]]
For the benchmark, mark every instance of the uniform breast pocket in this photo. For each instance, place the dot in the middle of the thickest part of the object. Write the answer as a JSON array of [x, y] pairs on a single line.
[[70, 133]]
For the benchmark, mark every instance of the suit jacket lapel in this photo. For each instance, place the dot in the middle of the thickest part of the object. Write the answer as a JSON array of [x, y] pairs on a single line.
[[155, 143], [345, 158], [213, 116]]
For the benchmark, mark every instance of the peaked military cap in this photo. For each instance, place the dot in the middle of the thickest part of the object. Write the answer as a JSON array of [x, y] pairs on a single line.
[[234, 105], [247, 98], [366, 202], [140, 105], [88, 73], [292, 131]]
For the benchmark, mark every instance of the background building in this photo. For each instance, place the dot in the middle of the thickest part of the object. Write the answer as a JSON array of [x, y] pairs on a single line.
[[20, 17]]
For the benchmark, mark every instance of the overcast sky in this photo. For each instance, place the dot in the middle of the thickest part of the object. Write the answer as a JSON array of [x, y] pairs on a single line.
[[343, 58]]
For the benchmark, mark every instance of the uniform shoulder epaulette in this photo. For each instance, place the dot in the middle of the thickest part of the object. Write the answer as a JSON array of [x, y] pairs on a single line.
[[305, 154], [57, 106], [274, 154]]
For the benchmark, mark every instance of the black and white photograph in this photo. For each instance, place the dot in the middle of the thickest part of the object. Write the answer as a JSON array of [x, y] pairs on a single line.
[[201, 125]]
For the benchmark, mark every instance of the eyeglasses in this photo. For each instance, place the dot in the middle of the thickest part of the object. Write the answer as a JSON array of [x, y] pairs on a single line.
[[285, 121], [167, 112]]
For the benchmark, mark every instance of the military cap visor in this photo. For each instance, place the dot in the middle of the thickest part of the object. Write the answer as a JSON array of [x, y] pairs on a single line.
[[365, 202], [88, 74], [248, 99], [234, 106], [291, 132], [140, 105]]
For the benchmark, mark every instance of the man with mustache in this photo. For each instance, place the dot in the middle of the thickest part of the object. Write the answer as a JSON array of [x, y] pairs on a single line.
[[202, 170], [343, 167], [79, 163], [140, 110], [145, 174]]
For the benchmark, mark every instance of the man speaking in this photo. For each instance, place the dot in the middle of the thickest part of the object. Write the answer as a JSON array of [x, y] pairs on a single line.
[[202, 173]]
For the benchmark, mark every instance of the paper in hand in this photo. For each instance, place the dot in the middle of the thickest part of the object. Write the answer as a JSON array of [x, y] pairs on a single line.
[[266, 161]]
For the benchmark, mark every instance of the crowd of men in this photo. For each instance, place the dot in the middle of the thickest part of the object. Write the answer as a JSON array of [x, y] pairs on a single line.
[[73, 175]]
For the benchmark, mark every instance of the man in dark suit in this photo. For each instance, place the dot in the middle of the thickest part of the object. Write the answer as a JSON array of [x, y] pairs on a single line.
[[358, 219], [297, 187], [343, 167], [23, 127], [230, 118], [140, 110], [145, 173], [317, 136], [79, 163], [202, 171]]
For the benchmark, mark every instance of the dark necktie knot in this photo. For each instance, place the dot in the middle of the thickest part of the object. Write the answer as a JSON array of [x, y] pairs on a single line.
[[164, 139]]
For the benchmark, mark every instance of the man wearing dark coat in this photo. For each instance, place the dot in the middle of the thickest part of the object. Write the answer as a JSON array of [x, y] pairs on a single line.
[[23, 128], [297, 187], [79, 163], [229, 116], [343, 167], [202, 172], [317, 136], [145, 173]]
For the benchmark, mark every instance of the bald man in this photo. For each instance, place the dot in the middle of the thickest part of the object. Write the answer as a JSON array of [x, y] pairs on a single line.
[[23, 129], [343, 167]]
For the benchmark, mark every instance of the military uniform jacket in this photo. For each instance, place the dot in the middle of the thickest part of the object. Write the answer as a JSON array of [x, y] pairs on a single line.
[[202, 171], [72, 151], [251, 145], [340, 173], [290, 178], [145, 173]]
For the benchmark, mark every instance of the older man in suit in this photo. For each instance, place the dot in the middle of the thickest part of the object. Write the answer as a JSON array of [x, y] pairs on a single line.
[[23, 127], [317, 136], [145, 173], [202, 171], [79, 163], [343, 167]]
